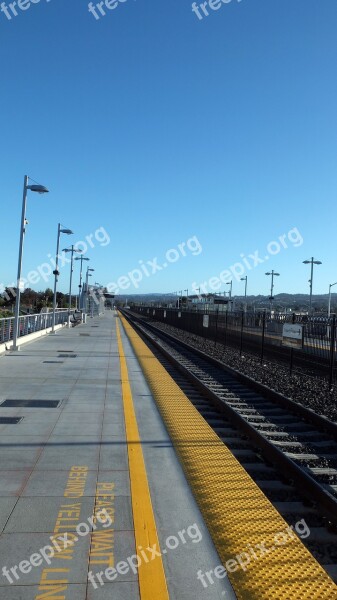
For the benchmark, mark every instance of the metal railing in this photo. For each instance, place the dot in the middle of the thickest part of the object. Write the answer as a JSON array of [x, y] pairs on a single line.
[[261, 334], [31, 323]]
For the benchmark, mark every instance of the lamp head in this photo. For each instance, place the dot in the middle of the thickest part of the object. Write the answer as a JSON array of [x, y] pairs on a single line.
[[40, 189], [66, 231]]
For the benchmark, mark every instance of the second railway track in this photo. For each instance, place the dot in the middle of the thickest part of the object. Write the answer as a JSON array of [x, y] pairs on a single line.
[[289, 451]]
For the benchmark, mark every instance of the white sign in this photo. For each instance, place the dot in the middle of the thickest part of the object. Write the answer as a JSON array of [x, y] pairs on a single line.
[[292, 335], [164, 314], [205, 321]]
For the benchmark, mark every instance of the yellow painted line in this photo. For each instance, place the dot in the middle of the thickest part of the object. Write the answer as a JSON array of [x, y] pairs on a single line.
[[152, 581], [237, 513]]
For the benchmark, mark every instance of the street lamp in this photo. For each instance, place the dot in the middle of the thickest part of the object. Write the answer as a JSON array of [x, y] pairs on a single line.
[[271, 298], [88, 274], [40, 189], [81, 258], [230, 289], [56, 271], [72, 250], [198, 292], [245, 279], [311, 262], [329, 306], [186, 297]]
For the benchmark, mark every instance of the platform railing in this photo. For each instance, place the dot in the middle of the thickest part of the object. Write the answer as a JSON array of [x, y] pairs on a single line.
[[31, 323]]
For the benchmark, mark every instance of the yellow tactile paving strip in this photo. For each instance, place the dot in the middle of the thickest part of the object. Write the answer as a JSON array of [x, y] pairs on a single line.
[[238, 515], [152, 580]]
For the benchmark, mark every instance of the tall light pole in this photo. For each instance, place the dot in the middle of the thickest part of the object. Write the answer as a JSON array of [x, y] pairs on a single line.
[[186, 297], [271, 298], [40, 189], [329, 305], [72, 250], [56, 271], [180, 299], [81, 258], [245, 279], [311, 262], [230, 305], [88, 274]]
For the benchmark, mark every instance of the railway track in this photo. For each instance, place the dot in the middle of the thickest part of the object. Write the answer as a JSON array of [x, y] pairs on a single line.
[[289, 451]]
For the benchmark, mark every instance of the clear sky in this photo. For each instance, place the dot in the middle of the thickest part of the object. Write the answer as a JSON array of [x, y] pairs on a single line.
[[154, 128]]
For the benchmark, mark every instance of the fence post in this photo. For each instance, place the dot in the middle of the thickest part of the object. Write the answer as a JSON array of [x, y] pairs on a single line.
[[292, 349], [332, 350], [226, 322], [241, 334], [216, 327], [263, 335]]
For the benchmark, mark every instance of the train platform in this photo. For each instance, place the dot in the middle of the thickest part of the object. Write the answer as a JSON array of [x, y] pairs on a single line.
[[112, 485], [93, 501]]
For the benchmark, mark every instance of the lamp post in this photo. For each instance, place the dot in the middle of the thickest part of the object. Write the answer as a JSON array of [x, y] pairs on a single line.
[[271, 298], [88, 274], [56, 271], [230, 283], [40, 189], [245, 279], [186, 297], [72, 250], [311, 262], [81, 258], [329, 305]]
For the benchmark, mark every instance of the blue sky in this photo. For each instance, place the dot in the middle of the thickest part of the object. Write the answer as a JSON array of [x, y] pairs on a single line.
[[159, 127]]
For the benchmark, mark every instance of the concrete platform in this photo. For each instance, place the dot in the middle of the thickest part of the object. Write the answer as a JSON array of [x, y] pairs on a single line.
[[61, 466]]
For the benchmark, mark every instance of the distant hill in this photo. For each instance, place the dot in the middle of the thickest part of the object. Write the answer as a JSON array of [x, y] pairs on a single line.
[[299, 302]]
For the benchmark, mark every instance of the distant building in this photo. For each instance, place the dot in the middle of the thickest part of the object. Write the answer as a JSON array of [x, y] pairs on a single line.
[[209, 303]]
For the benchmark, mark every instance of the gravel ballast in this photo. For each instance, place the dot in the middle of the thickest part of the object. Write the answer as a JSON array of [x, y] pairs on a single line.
[[310, 391]]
